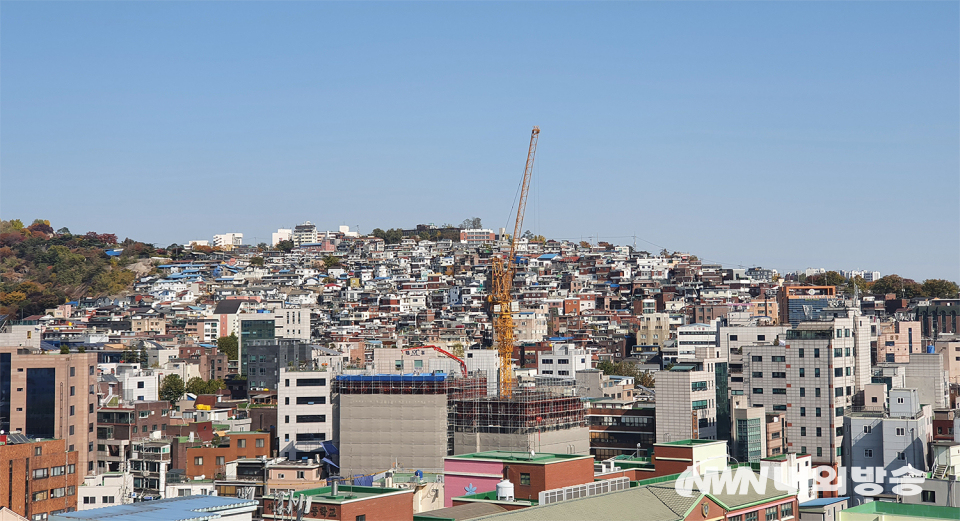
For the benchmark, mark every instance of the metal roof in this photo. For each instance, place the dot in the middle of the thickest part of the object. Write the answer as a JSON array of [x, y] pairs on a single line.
[[187, 508]]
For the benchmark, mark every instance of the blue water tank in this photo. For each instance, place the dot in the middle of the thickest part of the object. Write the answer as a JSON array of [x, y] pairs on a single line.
[[931, 350]]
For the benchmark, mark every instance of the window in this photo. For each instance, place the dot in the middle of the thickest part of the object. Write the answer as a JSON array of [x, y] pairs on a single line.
[[780, 407], [757, 374], [58, 492], [803, 411], [71, 469], [867, 453], [259, 443], [106, 499], [286, 401], [220, 460], [140, 384], [779, 359], [58, 471], [286, 419], [800, 352], [758, 390], [71, 490], [928, 496], [837, 352], [838, 372], [803, 431], [361, 517], [241, 443], [761, 338], [311, 400], [198, 460], [733, 337], [819, 432], [780, 391], [803, 392], [771, 513], [39, 496], [39, 473], [300, 474], [901, 431], [397, 364], [816, 372], [816, 352], [817, 392], [838, 392], [524, 478], [73, 371], [38, 451], [818, 412], [802, 373], [751, 516], [699, 404], [899, 400], [89, 500], [901, 456], [418, 364], [779, 374], [819, 452], [311, 418], [786, 510], [838, 411], [756, 359], [315, 382]]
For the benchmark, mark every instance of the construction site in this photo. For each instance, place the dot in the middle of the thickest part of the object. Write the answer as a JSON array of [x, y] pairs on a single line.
[[414, 421]]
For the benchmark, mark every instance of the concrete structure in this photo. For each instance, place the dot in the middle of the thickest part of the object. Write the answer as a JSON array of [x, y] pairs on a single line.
[[898, 340], [477, 237], [228, 241], [305, 233], [689, 338], [282, 234], [653, 329], [686, 402], [211, 462], [890, 438], [926, 374], [305, 411], [563, 361], [106, 489], [349, 502], [798, 303], [795, 470], [51, 396], [889, 511], [940, 487], [747, 432]]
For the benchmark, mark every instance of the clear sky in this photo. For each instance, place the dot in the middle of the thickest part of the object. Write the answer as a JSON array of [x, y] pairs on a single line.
[[787, 135]]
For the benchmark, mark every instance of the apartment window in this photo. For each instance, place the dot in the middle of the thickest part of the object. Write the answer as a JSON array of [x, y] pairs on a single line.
[[758, 390], [803, 449], [928, 496], [816, 372], [58, 492], [39, 473], [40, 496], [241, 443], [756, 359], [733, 337], [839, 333], [819, 452], [838, 372], [849, 371], [838, 392], [818, 412], [313, 382], [220, 460], [106, 499], [758, 374], [780, 391], [91, 370], [838, 411], [198, 460], [751, 516], [89, 500], [286, 382], [72, 410], [901, 456], [819, 432], [901, 431], [816, 392], [800, 353], [777, 374], [311, 418], [524, 478], [286, 401], [361, 517], [803, 392], [311, 400], [259, 443], [779, 359], [286, 419], [398, 365], [38, 451], [899, 400], [867, 429], [837, 352], [300, 474], [58, 471], [73, 371], [71, 469], [780, 407], [802, 372], [803, 431], [803, 411], [867, 453], [816, 352], [786, 510], [771, 513]]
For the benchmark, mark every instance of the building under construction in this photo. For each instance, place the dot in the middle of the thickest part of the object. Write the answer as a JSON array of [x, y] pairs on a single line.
[[414, 421]]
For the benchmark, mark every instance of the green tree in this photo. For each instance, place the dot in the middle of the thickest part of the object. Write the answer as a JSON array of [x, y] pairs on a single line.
[[285, 246], [939, 288], [457, 349], [196, 385], [172, 388], [229, 345], [64, 350], [901, 287], [331, 261], [16, 224], [263, 246], [256, 261], [64, 231]]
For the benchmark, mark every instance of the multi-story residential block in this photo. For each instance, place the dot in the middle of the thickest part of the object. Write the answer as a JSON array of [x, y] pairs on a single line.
[[477, 237], [305, 411], [619, 427], [747, 433], [798, 303], [282, 234], [689, 338], [653, 329], [305, 233], [104, 490], [40, 478], [686, 402], [898, 340], [149, 462], [563, 361], [119, 427], [51, 396], [228, 241], [890, 437], [210, 462]]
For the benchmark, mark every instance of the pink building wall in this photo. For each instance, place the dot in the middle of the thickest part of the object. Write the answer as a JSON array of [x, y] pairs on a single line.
[[460, 474]]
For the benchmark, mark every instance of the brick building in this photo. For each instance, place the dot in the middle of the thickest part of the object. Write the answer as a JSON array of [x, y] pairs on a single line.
[[350, 503], [38, 478], [211, 461]]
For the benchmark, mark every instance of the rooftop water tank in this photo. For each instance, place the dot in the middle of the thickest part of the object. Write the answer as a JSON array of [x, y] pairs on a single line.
[[505, 490], [931, 350]]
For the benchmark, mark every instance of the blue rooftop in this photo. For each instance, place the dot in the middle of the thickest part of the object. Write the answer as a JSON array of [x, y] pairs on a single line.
[[192, 508], [822, 501]]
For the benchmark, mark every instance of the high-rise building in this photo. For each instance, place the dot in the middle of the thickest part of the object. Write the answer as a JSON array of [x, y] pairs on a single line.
[[747, 431], [798, 303], [305, 233], [282, 234], [51, 396]]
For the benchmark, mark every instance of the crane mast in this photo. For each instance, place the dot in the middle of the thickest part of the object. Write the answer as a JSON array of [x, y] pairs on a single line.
[[502, 278]]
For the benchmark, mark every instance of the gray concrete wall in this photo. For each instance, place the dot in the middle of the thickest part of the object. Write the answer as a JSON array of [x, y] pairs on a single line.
[[568, 441]]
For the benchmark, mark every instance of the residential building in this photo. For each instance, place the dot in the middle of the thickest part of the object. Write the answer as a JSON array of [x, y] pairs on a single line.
[[349, 502], [282, 234], [926, 373], [563, 361], [211, 462], [106, 489], [747, 433], [305, 411], [798, 303], [477, 237], [619, 427], [149, 461], [305, 233], [686, 402], [228, 241]]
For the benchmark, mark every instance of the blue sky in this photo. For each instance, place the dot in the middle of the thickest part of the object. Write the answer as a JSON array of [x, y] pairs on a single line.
[[787, 135]]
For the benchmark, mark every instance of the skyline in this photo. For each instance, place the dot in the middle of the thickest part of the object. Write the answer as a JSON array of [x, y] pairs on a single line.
[[695, 125]]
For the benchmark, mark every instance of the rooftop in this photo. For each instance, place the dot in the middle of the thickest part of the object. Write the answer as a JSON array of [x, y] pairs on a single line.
[[904, 510], [525, 457], [346, 493], [689, 443], [192, 508]]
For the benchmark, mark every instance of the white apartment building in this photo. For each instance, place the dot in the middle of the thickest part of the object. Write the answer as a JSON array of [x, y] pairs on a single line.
[[305, 233], [105, 490], [228, 240], [304, 411], [811, 376], [138, 384], [292, 323], [689, 338], [563, 361], [731, 340], [686, 402], [529, 326], [282, 234]]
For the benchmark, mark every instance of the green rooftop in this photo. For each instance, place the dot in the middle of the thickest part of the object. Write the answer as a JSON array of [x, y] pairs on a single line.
[[900, 510], [491, 497], [689, 443], [520, 457], [346, 493]]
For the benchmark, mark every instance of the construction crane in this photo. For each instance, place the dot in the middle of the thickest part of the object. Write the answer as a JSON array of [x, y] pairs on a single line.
[[463, 365], [502, 279]]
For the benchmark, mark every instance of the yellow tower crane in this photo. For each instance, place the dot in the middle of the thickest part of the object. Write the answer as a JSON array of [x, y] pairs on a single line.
[[502, 279]]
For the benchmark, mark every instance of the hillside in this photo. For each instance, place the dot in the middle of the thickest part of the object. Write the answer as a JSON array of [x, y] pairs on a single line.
[[41, 268]]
